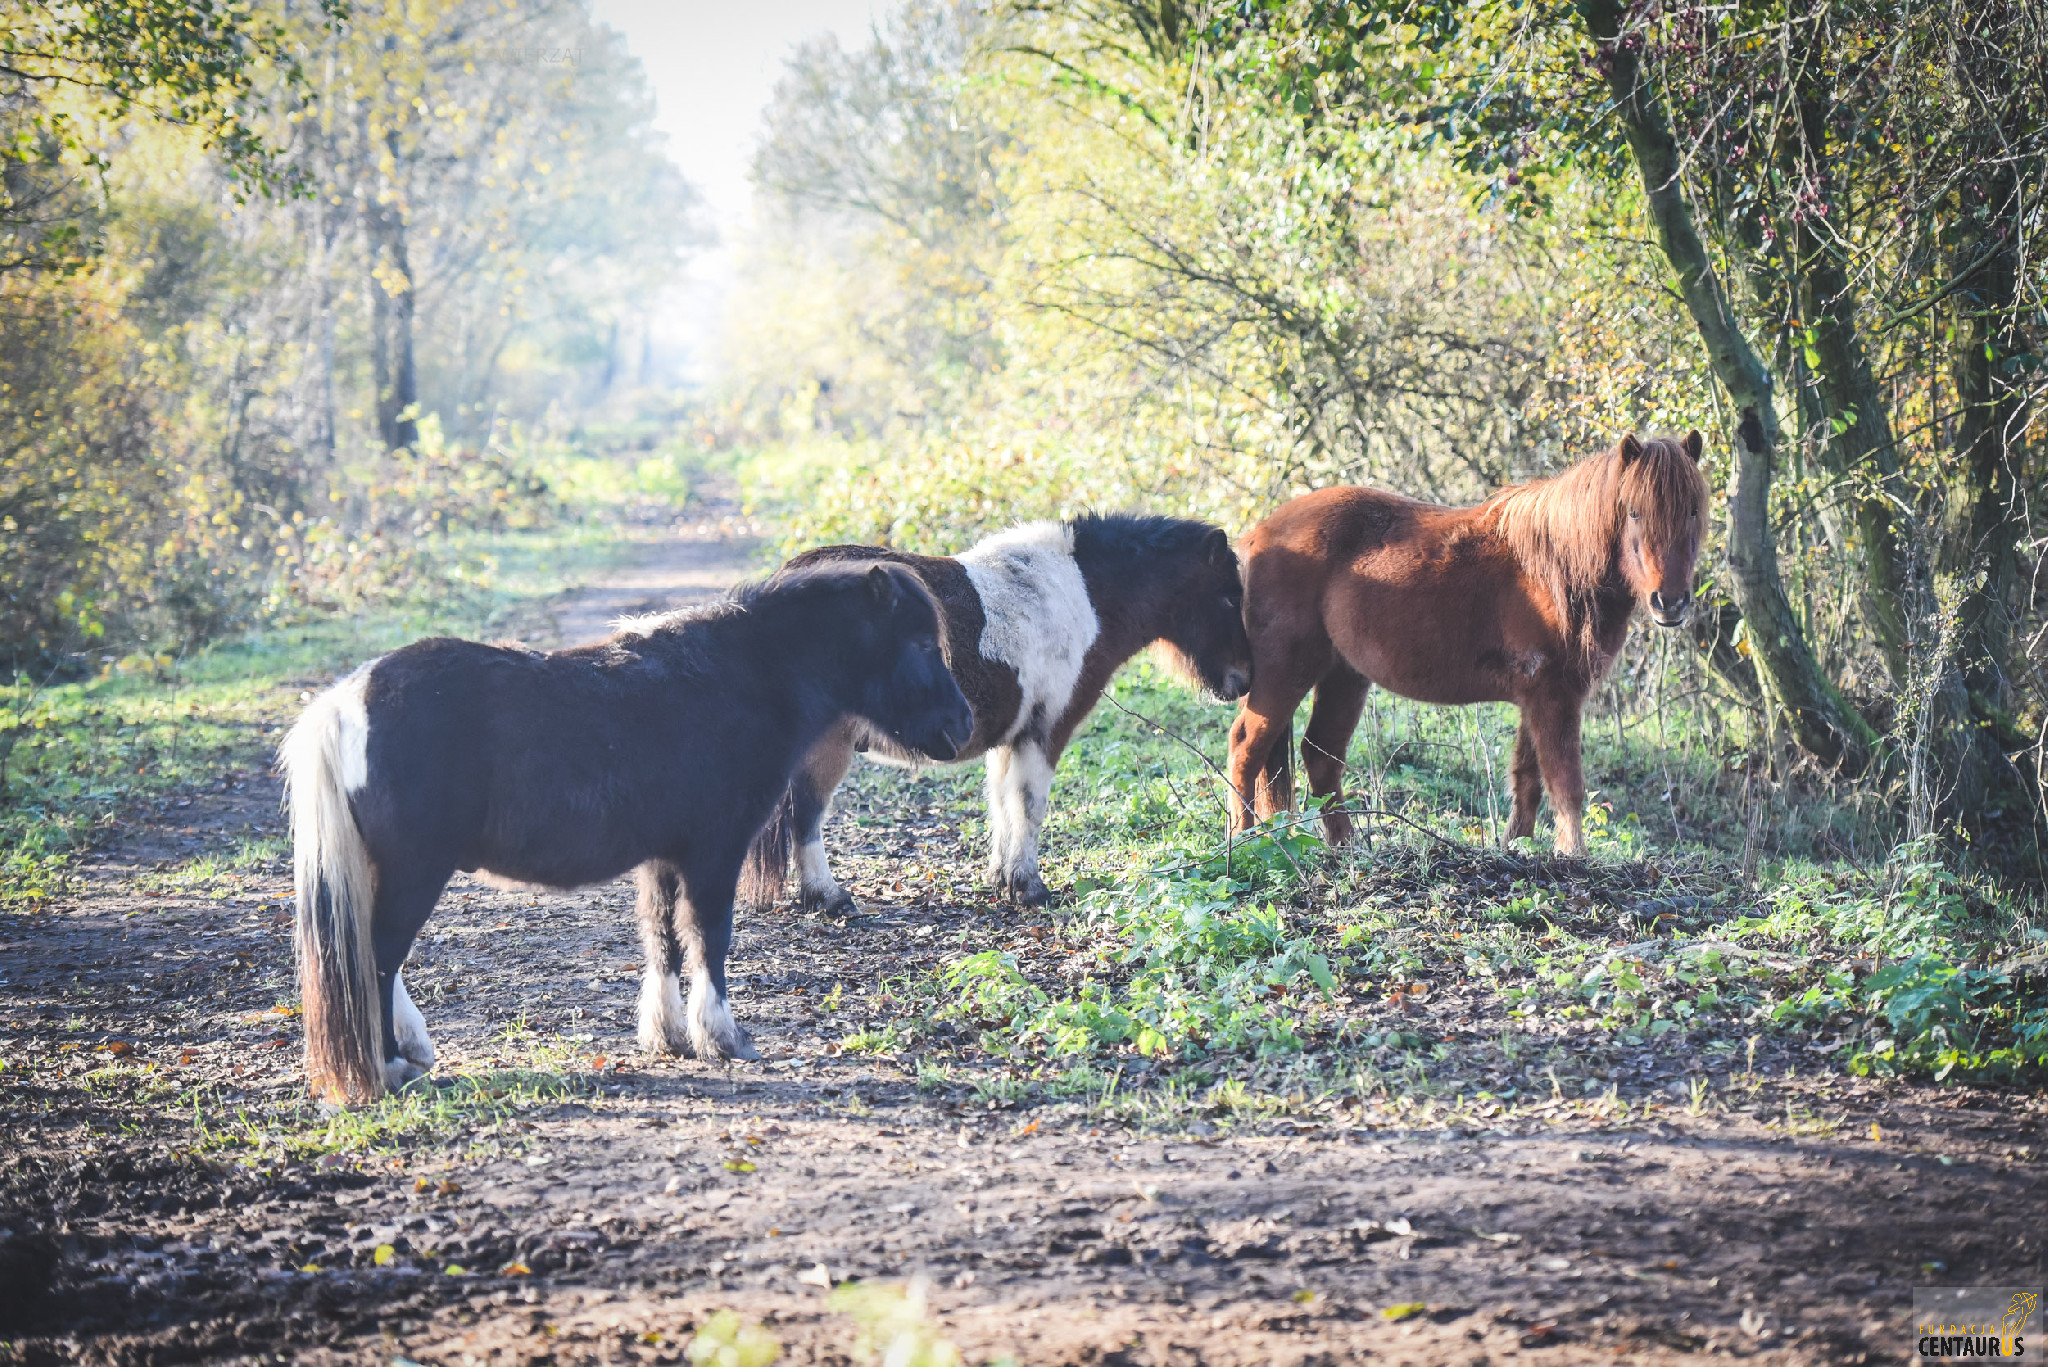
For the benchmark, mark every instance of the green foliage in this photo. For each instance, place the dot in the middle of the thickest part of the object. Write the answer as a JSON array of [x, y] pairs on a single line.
[[725, 1340], [1274, 955], [894, 1326], [221, 423]]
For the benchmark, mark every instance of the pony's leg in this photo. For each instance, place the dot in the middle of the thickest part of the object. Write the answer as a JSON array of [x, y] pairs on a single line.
[[1000, 841], [704, 925], [1258, 775], [812, 789], [663, 1027], [409, 1027], [1020, 788], [1340, 698], [1554, 723], [405, 896], [1528, 780]]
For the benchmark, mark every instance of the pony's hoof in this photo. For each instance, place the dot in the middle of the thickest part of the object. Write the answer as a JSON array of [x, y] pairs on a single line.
[[400, 1073], [1030, 891], [835, 902], [740, 1048], [1337, 829], [663, 1046]]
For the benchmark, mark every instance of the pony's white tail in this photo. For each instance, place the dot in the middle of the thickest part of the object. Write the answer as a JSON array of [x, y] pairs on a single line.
[[324, 757]]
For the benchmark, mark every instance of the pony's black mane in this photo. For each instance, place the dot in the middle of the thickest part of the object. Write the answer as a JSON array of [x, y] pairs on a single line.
[[691, 638], [1132, 536], [734, 603]]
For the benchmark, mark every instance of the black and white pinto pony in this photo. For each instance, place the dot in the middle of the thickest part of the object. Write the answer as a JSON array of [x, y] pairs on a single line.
[[1037, 619], [664, 748]]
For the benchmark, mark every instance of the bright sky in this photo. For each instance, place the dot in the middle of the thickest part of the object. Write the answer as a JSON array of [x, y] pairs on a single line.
[[713, 65]]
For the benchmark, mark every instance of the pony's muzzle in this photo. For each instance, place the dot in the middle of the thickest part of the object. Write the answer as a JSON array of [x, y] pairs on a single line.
[[1669, 610], [1236, 683], [949, 736]]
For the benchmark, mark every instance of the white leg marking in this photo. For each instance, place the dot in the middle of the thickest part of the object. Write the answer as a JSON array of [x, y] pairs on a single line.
[[713, 1031], [399, 1071], [664, 1026], [814, 871], [999, 811], [410, 1026], [1030, 786]]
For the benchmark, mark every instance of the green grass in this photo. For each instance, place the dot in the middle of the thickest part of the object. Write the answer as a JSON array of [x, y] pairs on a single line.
[[483, 1108], [78, 754], [1270, 967]]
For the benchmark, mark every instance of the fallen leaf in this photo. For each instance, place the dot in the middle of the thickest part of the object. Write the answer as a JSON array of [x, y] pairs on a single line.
[[1304, 1296], [817, 1276], [456, 1270], [738, 1165], [383, 1255], [449, 1187], [419, 1184], [1876, 1134], [310, 1267], [119, 1048], [1403, 1310], [517, 1270], [1027, 1129]]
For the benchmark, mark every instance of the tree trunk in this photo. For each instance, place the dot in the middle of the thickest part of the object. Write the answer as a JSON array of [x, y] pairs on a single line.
[[1860, 442], [391, 326], [1820, 720], [1985, 539]]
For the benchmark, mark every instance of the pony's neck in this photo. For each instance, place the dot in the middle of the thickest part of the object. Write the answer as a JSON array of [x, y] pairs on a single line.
[[779, 663], [1132, 601]]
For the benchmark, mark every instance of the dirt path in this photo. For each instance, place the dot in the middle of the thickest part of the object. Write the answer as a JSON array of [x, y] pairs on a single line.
[[167, 1196], [690, 562]]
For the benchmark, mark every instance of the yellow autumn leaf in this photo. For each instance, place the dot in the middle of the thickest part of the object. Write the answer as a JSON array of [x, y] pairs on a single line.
[[384, 1254], [1403, 1310]]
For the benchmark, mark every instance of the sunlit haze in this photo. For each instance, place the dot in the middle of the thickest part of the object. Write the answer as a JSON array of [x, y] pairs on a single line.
[[713, 66]]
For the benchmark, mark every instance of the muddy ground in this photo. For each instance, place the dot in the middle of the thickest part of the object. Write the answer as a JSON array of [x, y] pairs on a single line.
[[604, 1205]]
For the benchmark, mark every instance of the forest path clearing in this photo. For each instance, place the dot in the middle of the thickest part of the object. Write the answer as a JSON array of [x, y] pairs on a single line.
[[167, 1193], [693, 561]]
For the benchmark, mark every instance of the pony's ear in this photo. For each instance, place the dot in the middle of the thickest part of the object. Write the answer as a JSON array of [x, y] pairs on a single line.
[[1216, 548], [1630, 448], [1693, 445], [882, 585]]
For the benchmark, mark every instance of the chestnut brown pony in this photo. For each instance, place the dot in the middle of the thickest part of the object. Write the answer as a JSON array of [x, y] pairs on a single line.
[[1525, 598]]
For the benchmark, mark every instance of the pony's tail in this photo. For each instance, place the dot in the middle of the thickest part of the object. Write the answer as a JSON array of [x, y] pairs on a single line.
[[767, 868], [343, 1014]]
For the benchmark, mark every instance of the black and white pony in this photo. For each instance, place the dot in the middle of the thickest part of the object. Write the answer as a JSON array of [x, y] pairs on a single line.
[[664, 748], [1037, 620]]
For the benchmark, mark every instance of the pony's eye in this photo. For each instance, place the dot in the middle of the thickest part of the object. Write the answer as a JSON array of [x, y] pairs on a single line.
[[1634, 516]]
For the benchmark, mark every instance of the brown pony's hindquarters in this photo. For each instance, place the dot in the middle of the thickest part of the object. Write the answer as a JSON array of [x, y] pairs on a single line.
[[1340, 698]]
